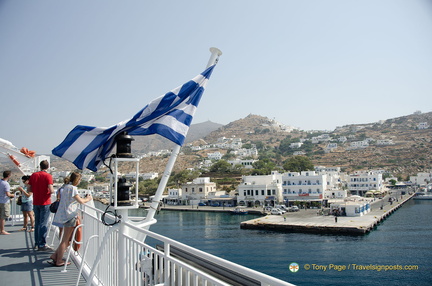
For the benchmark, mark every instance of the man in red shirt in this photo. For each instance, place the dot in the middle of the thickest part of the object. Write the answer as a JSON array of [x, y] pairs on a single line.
[[41, 185]]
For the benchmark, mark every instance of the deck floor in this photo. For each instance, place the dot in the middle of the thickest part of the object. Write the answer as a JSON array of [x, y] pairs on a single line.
[[20, 264]]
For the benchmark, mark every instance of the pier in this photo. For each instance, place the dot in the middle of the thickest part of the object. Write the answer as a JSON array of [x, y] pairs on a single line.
[[309, 221]]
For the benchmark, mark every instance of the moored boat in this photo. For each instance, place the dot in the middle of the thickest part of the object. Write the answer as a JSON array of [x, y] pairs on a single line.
[[239, 211]]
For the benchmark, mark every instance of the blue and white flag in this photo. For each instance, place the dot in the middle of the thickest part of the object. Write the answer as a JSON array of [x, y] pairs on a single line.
[[169, 115]]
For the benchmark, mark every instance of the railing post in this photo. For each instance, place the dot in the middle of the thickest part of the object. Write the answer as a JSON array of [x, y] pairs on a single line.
[[167, 269], [121, 250]]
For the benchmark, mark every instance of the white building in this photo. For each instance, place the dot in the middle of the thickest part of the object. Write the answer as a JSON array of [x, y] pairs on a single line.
[[422, 179], [361, 182], [197, 190], [330, 147], [359, 144], [296, 145], [304, 186], [215, 156], [149, 176], [260, 190], [247, 164], [423, 125], [174, 196], [385, 142]]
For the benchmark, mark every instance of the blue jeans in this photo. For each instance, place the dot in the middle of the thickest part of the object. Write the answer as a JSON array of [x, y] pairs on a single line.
[[42, 214]]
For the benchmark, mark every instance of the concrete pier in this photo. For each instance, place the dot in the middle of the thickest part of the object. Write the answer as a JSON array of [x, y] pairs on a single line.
[[308, 221]]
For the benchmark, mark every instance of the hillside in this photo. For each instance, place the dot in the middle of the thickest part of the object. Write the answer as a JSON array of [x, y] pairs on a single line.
[[411, 152]]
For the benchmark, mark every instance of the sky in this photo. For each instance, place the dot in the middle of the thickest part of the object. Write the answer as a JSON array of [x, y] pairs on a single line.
[[310, 64]]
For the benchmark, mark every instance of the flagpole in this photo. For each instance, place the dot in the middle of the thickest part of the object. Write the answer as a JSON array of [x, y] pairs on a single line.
[[215, 53]]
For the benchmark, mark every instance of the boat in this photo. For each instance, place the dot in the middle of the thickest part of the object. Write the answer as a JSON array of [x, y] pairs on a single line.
[[118, 249], [239, 211], [423, 196]]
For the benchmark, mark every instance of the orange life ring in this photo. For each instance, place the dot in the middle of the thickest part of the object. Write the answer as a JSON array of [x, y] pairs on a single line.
[[78, 235]]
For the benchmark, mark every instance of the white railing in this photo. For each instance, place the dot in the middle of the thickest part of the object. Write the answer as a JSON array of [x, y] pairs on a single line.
[[117, 255]]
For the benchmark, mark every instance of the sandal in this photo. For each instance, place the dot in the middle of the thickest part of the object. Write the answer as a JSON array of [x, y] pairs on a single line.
[[24, 228], [30, 230], [52, 263]]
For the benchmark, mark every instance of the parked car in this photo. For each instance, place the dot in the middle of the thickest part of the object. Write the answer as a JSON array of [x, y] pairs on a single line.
[[276, 211], [202, 204], [293, 209]]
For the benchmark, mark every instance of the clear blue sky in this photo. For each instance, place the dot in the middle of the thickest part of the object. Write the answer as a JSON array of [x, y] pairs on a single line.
[[309, 64]]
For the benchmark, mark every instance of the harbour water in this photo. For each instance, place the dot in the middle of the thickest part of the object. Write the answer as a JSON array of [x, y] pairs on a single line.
[[398, 252]]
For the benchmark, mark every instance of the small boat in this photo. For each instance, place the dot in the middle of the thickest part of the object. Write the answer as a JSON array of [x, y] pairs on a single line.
[[423, 196], [239, 211]]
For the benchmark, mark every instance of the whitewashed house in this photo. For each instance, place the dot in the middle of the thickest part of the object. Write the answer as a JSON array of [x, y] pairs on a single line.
[[215, 156], [423, 125]]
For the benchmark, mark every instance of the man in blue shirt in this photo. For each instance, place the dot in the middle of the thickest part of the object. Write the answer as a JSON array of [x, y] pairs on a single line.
[[5, 195]]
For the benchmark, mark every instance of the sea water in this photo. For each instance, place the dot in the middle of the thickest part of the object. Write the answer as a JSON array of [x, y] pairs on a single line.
[[397, 252]]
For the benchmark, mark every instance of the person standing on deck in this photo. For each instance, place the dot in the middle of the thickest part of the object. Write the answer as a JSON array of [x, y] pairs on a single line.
[[67, 215], [41, 186], [5, 195], [27, 205]]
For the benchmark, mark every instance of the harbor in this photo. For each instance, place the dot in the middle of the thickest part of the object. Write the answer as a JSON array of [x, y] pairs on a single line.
[[310, 220]]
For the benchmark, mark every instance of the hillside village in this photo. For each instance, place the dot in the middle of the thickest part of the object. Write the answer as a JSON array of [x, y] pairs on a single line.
[[351, 160]]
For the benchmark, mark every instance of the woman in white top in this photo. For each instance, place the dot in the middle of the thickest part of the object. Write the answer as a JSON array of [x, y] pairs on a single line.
[[66, 215], [27, 205]]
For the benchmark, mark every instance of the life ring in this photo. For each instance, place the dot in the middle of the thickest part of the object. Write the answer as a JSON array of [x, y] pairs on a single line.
[[78, 235], [15, 160]]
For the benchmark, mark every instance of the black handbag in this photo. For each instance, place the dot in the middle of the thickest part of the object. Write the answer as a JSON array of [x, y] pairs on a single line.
[[19, 200], [54, 206]]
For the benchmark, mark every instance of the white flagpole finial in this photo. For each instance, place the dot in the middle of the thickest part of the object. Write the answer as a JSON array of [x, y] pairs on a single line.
[[215, 53]]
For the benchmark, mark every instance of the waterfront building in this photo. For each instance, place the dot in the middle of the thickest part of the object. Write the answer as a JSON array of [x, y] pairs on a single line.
[[197, 190], [260, 190], [350, 208], [174, 196], [361, 182], [422, 179], [305, 186]]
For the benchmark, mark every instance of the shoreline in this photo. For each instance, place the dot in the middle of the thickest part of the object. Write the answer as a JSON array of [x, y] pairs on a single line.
[[307, 220], [312, 223]]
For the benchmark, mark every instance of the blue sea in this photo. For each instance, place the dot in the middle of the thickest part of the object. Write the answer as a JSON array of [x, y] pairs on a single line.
[[397, 252]]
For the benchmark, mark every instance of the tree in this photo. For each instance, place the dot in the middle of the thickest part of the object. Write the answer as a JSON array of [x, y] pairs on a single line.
[[183, 177], [221, 166], [298, 164], [263, 167]]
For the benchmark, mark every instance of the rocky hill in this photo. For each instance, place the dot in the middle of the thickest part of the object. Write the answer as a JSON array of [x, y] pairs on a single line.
[[409, 154]]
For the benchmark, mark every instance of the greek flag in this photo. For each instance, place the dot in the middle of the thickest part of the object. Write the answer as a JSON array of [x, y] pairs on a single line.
[[169, 115]]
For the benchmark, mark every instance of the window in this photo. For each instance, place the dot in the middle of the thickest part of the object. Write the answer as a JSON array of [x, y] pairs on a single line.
[[200, 190], [256, 192], [268, 192], [262, 192]]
